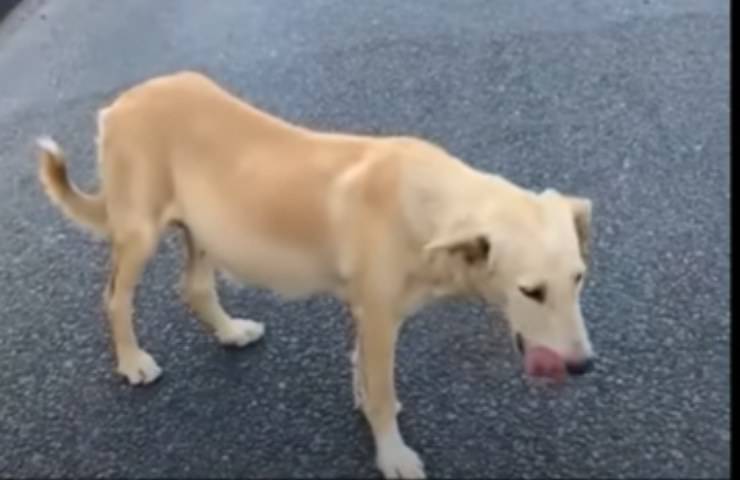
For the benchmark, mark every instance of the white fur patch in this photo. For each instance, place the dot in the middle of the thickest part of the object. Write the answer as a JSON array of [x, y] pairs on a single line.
[[396, 459], [239, 333], [48, 144], [138, 367]]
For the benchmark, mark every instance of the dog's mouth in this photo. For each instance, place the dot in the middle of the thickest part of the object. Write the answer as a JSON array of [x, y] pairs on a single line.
[[545, 363], [541, 362]]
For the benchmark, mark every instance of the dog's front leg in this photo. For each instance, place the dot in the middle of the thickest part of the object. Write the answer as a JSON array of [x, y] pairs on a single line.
[[377, 333], [358, 393]]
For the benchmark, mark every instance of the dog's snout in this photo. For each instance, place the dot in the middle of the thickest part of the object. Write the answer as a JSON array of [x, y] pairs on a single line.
[[580, 367]]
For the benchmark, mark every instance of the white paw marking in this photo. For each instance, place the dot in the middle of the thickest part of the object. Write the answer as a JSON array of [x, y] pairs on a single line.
[[138, 367], [400, 461], [239, 332]]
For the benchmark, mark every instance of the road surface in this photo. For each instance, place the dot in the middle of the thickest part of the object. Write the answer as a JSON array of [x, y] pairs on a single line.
[[626, 102]]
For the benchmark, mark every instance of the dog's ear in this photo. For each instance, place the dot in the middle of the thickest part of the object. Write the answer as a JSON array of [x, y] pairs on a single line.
[[581, 208], [473, 248]]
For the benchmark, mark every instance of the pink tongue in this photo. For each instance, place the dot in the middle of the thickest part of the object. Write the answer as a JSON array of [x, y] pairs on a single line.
[[543, 362]]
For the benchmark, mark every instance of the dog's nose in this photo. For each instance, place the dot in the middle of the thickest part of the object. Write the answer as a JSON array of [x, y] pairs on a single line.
[[580, 367]]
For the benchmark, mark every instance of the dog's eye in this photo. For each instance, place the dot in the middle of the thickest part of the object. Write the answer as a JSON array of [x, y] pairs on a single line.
[[535, 293]]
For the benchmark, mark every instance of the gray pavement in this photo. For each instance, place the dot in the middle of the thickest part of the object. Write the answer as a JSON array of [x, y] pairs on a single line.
[[625, 101]]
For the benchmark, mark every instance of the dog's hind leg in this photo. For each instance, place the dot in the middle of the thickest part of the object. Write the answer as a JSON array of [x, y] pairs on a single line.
[[130, 252], [199, 289]]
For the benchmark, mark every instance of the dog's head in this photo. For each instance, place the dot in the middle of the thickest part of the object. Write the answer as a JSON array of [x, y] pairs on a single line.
[[530, 257]]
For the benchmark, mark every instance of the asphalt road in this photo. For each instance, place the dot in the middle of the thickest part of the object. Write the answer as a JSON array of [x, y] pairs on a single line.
[[626, 102]]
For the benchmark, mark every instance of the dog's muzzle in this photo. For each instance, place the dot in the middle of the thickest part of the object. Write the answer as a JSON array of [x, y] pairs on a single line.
[[543, 362]]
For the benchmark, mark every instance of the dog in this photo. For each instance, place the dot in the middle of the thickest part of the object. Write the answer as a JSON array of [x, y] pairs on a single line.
[[385, 224]]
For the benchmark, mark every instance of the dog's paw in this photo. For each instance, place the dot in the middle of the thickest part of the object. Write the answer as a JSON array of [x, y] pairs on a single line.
[[238, 333], [138, 367], [400, 462]]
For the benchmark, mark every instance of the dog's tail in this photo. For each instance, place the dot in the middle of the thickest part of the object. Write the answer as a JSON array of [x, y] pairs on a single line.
[[87, 210]]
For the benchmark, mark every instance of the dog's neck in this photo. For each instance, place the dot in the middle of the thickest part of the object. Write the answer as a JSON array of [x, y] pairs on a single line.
[[441, 204]]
